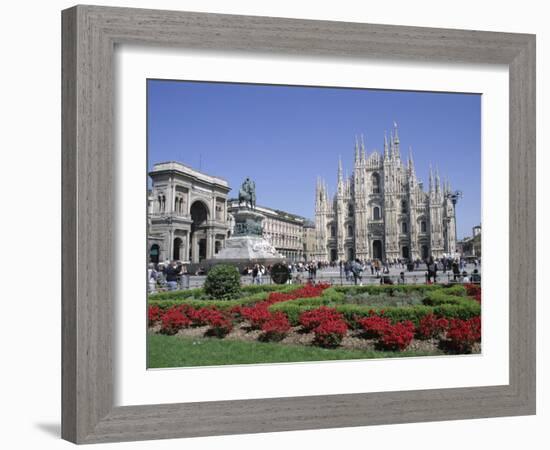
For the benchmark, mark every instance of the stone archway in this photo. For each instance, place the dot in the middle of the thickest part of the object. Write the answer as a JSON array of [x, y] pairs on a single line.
[[154, 254], [424, 252], [377, 249], [178, 249], [199, 231]]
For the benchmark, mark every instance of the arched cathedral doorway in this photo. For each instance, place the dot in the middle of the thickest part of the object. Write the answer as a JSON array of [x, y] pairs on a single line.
[[377, 249]]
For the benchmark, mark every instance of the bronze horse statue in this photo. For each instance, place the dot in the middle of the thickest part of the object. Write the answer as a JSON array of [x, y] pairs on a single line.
[[247, 193]]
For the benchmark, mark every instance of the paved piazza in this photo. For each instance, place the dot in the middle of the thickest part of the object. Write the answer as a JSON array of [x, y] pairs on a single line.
[[332, 275]]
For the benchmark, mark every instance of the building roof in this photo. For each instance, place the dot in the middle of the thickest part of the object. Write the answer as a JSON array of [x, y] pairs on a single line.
[[174, 166], [283, 215]]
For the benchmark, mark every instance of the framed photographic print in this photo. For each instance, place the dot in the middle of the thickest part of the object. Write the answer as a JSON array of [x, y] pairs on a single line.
[[260, 208]]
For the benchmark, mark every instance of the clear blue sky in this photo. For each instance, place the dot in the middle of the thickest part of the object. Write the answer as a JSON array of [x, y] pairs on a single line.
[[284, 136]]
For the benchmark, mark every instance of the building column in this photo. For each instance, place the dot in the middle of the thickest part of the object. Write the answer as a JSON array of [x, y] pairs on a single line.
[[209, 244], [187, 242], [171, 245], [195, 248]]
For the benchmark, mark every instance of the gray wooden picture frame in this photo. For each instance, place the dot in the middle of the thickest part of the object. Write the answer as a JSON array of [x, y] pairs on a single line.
[[90, 34]]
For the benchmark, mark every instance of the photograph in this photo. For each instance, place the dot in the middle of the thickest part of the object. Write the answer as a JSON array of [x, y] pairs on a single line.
[[301, 223]]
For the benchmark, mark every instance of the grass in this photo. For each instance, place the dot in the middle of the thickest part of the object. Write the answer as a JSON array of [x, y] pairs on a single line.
[[176, 351]]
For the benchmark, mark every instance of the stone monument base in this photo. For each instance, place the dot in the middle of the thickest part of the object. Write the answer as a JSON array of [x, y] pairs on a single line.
[[247, 246]]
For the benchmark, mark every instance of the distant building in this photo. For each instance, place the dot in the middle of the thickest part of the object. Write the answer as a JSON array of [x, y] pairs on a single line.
[[309, 240], [285, 231], [471, 246]]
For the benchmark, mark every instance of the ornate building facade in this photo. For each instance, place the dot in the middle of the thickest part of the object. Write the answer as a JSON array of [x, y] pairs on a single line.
[[187, 213], [283, 230], [382, 211]]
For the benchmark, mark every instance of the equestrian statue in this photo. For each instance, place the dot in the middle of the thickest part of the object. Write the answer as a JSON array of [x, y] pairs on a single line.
[[247, 193]]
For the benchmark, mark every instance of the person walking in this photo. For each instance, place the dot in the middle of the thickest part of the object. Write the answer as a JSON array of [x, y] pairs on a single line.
[[152, 278], [357, 269], [172, 273], [456, 270]]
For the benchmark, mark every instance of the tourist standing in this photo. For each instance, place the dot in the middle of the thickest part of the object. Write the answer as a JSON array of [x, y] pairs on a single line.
[[152, 278], [356, 269], [172, 273]]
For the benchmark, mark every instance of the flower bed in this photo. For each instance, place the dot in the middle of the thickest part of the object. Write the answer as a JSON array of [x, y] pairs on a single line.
[[449, 317]]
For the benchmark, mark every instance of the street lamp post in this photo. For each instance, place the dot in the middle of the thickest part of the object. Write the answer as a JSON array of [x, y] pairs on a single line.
[[453, 197]]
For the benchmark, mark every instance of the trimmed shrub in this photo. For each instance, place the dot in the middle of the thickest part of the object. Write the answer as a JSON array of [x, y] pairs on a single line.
[[172, 295], [464, 310], [442, 297], [455, 289], [275, 328], [393, 313], [223, 282], [220, 304], [387, 289], [330, 333]]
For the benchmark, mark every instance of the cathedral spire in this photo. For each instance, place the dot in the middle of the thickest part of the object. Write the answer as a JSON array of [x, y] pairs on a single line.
[[356, 150], [395, 143], [386, 150], [432, 187], [437, 181], [340, 176], [395, 135], [363, 150], [411, 162]]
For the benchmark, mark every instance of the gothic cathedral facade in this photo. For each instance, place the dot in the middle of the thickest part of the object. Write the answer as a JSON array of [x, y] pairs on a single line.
[[382, 211]]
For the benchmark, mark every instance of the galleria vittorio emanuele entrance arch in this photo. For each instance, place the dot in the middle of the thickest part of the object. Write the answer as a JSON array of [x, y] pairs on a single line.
[[187, 213]]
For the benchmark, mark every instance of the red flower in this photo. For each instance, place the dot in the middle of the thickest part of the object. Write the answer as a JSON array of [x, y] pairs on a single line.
[[153, 314], [315, 317], [174, 320], [256, 315], [431, 326], [473, 290], [373, 326], [462, 334], [219, 324], [201, 316], [276, 327], [330, 332], [397, 337]]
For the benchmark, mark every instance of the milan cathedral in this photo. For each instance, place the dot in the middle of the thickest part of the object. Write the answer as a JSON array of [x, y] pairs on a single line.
[[382, 211]]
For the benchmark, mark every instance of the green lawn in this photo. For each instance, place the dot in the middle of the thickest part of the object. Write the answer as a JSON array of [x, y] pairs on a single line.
[[176, 351]]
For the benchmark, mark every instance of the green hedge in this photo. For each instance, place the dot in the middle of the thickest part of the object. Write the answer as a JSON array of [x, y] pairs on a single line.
[[443, 301], [192, 297], [394, 313], [388, 289], [442, 297], [198, 293]]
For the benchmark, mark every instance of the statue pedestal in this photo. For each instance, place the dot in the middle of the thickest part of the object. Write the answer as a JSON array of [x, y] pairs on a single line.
[[247, 245]]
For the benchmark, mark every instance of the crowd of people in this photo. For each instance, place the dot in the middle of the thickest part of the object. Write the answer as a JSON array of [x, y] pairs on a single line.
[[172, 275]]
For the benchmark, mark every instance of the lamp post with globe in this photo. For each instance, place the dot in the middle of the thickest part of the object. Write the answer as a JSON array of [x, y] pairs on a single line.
[[453, 197]]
